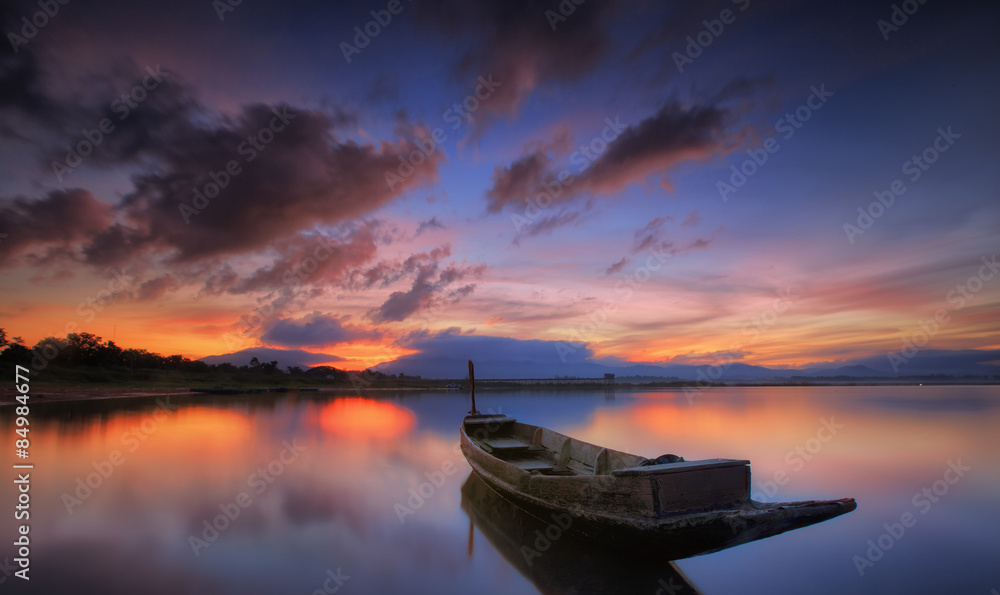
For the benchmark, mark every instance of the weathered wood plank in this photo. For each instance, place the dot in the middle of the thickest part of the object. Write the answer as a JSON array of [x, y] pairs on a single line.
[[682, 467], [504, 442], [704, 488], [531, 464]]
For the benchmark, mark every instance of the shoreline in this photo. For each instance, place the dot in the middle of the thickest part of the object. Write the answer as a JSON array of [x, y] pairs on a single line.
[[56, 394], [68, 395]]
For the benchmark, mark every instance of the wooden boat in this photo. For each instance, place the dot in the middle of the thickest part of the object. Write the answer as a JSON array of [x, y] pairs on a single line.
[[558, 563], [679, 509]]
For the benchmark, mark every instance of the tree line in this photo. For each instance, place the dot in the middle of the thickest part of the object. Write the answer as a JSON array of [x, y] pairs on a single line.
[[89, 350]]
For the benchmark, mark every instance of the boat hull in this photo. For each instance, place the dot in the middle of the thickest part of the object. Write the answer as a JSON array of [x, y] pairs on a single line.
[[624, 509]]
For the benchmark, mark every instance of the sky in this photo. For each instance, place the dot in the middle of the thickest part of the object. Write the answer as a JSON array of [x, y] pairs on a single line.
[[776, 183]]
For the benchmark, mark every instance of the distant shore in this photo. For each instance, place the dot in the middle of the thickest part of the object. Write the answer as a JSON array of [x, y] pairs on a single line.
[[44, 394], [41, 394]]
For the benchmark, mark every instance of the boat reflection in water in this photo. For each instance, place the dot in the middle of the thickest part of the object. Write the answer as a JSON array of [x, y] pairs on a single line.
[[555, 561]]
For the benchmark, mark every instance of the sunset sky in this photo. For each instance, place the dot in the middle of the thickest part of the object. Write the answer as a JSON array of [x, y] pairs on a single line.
[[634, 181]]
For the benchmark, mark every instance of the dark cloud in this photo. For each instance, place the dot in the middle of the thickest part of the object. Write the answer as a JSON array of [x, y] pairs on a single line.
[[304, 177], [155, 288], [431, 223], [22, 92], [693, 218], [649, 235], [658, 144], [616, 267], [545, 225], [316, 330], [401, 304], [426, 294], [519, 180], [431, 289], [53, 226], [310, 259], [513, 41], [207, 186], [650, 238], [654, 146], [385, 273]]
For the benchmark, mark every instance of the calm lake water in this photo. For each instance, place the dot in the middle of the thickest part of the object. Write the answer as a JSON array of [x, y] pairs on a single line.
[[369, 494]]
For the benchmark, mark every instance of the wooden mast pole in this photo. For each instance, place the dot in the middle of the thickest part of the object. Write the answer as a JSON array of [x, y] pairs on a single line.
[[472, 388]]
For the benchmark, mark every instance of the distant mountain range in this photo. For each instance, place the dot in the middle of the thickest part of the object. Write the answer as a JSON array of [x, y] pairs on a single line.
[[938, 362], [504, 369], [445, 355], [284, 357]]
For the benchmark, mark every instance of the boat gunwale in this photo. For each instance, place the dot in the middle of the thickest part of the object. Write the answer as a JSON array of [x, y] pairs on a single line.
[[604, 517], [635, 470]]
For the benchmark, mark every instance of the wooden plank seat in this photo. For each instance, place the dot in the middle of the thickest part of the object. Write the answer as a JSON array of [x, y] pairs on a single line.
[[531, 465], [482, 420], [504, 446]]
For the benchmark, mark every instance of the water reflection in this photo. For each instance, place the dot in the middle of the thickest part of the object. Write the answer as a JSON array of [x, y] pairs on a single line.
[[335, 506], [366, 418], [556, 562]]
